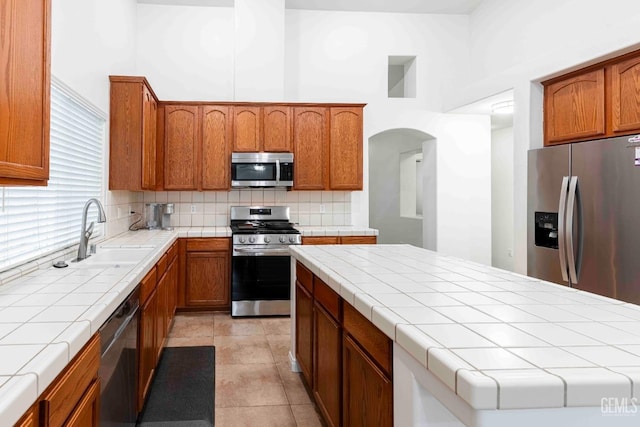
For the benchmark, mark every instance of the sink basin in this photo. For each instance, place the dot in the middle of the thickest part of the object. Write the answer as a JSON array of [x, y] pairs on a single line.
[[116, 257]]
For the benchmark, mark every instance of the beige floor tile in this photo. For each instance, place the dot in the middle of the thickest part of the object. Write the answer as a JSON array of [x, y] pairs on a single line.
[[192, 325], [237, 350], [253, 416], [191, 330], [177, 341], [293, 386], [248, 385], [204, 317], [306, 415], [231, 327], [276, 325], [280, 345]]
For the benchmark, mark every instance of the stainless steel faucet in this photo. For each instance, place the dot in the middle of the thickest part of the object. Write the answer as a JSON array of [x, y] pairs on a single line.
[[85, 233]]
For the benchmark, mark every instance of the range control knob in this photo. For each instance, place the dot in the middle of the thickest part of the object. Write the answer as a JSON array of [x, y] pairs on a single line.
[[267, 239], [292, 239], [252, 239], [282, 239], [241, 239]]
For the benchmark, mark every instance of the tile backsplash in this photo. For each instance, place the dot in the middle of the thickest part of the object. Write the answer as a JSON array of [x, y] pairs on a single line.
[[194, 209]]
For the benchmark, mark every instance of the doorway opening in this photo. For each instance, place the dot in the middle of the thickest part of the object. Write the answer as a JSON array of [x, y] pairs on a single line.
[[402, 187]]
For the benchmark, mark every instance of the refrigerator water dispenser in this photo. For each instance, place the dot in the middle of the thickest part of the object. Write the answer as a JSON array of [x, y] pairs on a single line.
[[546, 229]]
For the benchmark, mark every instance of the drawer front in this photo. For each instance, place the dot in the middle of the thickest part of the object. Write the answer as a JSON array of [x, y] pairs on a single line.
[[173, 252], [213, 244], [148, 284], [329, 240], [60, 399], [327, 297], [358, 240], [370, 338], [305, 277], [161, 265]]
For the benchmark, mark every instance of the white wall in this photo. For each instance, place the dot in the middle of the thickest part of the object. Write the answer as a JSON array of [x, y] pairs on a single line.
[[186, 52], [343, 56], [90, 40], [464, 185], [502, 198], [259, 50], [513, 43], [340, 57], [385, 187]]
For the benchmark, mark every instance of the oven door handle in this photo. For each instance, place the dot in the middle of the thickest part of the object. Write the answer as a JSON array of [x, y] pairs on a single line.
[[261, 252]]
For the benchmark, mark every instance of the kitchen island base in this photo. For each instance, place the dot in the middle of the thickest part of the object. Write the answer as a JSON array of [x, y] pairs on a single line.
[[428, 402]]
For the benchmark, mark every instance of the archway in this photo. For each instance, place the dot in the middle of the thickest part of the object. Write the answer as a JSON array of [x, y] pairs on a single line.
[[402, 187]]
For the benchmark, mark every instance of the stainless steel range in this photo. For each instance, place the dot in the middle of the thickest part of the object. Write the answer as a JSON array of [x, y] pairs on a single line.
[[260, 262]]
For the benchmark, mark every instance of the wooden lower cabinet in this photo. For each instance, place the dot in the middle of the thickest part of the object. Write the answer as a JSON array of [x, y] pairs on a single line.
[[30, 418], [304, 332], [72, 396], [87, 413], [339, 240], [162, 313], [327, 369], [146, 347], [345, 360], [205, 281], [367, 392], [157, 308]]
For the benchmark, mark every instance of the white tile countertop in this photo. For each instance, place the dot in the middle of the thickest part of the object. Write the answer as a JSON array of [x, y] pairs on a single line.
[[336, 230], [496, 340], [49, 314]]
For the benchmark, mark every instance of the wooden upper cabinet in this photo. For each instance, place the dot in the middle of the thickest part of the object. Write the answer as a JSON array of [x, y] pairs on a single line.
[[24, 91], [574, 107], [258, 128], [216, 147], [132, 136], [182, 147], [345, 150], [624, 95], [310, 136], [246, 128], [276, 129], [149, 119]]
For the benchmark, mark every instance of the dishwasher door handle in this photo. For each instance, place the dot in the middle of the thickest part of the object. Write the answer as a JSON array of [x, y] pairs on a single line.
[[121, 329]]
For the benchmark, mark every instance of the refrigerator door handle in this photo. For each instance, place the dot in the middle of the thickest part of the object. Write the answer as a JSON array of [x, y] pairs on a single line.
[[573, 191], [562, 250]]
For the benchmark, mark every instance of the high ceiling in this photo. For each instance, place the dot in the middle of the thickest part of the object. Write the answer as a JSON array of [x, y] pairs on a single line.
[[402, 6]]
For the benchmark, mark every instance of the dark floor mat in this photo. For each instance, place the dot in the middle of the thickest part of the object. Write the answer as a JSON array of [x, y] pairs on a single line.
[[182, 392]]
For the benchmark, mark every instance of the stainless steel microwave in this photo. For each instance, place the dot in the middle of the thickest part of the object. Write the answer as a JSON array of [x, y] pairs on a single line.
[[261, 170]]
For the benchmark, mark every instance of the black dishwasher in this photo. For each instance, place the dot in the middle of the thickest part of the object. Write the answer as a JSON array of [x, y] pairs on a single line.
[[119, 364]]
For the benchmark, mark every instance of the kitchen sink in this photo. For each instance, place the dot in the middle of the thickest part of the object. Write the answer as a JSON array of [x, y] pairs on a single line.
[[113, 258]]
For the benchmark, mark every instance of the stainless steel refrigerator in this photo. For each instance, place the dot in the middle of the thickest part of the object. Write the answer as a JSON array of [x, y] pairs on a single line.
[[584, 216]]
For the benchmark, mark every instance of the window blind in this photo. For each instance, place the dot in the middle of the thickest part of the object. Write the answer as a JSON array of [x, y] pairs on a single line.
[[36, 221]]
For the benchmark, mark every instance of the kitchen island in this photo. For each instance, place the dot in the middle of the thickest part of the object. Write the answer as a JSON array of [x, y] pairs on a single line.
[[478, 346]]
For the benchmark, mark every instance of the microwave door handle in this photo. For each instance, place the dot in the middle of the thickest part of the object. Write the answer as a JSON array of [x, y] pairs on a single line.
[[277, 171], [562, 250]]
